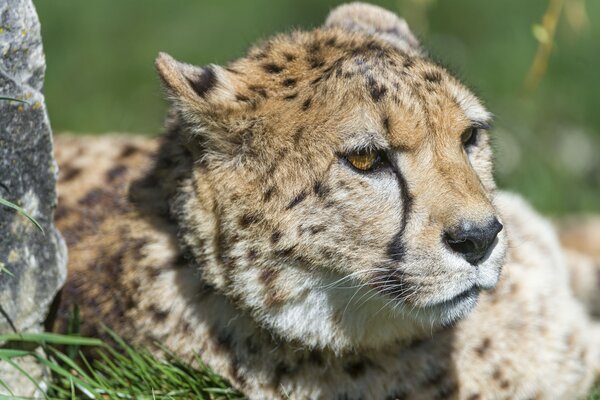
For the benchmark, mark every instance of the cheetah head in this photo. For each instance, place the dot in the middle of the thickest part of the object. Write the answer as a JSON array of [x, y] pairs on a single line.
[[341, 186]]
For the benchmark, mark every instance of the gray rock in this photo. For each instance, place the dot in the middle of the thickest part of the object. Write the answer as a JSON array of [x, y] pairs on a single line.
[[28, 172]]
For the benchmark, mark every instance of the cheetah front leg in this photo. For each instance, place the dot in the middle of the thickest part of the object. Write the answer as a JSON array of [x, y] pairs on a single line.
[[580, 237], [584, 272]]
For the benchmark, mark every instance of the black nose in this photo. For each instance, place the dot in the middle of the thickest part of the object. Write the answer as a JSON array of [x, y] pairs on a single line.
[[473, 241]]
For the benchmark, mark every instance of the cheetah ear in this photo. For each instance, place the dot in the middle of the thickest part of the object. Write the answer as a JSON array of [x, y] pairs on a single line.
[[204, 99], [362, 17], [196, 91]]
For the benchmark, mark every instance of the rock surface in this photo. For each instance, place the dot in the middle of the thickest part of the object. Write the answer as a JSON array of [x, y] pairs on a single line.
[[36, 261]]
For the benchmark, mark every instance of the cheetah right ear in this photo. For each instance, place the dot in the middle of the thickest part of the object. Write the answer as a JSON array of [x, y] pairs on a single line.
[[362, 17], [204, 99], [197, 92]]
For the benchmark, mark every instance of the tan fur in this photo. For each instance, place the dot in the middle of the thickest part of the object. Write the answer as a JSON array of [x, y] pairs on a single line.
[[248, 238]]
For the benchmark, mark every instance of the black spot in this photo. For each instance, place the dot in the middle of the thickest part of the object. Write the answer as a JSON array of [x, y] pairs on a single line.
[[298, 135], [375, 47], [289, 56], [306, 104], [258, 89], [331, 42], [316, 62], [377, 91], [94, 197], [316, 229], [290, 82], [157, 314], [483, 347], [69, 173], [355, 369], [252, 254], [285, 252], [268, 275], [329, 70], [343, 185], [291, 96], [316, 80], [268, 193], [330, 204], [248, 219], [116, 172], [497, 374], [259, 55], [320, 189], [296, 200], [432, 76], [314, 47], [241, 97], [128, 150], [408, 63], [275, 236], [203, 82], [272, 68]]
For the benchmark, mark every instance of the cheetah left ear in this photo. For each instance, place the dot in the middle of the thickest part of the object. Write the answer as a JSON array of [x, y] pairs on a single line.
[[362, 17]]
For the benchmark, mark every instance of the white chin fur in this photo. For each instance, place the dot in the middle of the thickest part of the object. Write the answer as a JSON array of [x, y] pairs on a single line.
[[346, 316]]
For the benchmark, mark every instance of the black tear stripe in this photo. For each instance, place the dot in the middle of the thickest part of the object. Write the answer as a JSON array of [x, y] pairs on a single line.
[[396, 248], [203, 82]]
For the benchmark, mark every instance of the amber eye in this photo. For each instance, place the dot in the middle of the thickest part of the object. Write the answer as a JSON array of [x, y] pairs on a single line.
[[469, 137], [365, 160]]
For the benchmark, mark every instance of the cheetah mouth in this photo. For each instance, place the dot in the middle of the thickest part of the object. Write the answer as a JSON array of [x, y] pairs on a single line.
[[467, 295], [450, 310]]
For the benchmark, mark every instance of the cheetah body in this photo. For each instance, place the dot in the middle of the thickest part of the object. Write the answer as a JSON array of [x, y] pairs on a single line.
[[244, 235]]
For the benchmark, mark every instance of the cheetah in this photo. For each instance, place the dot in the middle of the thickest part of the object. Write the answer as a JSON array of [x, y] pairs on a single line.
[[320, 221]]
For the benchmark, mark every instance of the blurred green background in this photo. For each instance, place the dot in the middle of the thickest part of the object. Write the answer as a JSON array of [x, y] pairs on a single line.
[[100, 75]]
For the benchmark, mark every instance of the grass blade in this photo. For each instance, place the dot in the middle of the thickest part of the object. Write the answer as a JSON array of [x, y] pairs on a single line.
[[13, 99], [22, 212], [50, 338]]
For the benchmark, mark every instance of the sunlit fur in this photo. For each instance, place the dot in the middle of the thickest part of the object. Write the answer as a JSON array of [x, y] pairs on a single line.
[[380, 98], [253, 240]]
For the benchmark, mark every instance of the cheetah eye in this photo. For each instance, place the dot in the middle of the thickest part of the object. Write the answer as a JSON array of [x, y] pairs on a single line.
[[365, 160], [469, 137]]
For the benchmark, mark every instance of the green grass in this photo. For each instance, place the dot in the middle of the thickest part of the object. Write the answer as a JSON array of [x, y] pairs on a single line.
[[119, 372], [595, 394]]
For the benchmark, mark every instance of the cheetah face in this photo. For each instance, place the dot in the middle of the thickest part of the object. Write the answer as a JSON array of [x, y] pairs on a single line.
[[342, 184]]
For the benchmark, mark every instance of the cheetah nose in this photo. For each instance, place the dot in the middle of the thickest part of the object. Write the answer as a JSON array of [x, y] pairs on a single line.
[[472, 241]]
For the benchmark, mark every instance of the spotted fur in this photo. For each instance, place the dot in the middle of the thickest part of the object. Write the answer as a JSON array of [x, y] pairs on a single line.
[[246, 236]]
